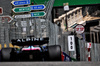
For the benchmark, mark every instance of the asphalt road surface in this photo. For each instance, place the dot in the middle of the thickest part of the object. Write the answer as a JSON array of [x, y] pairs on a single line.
[[49, 63]]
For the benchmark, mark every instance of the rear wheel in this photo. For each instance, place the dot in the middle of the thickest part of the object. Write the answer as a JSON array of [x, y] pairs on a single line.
[[54, 53], [6, 54]]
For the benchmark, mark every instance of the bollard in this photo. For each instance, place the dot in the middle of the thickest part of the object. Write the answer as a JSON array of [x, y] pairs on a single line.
[[89, 57], [89, 52]]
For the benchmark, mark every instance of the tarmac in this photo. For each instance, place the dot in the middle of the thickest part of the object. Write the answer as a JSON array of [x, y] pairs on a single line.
[[49, 63]]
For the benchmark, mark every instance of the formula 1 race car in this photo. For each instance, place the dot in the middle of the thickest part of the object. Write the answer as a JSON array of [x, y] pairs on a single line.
[[32, 49]]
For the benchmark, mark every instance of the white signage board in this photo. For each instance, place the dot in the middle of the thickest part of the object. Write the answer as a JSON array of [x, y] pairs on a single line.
[[88, 45], [71, 43], [23, 16], [66, 8]]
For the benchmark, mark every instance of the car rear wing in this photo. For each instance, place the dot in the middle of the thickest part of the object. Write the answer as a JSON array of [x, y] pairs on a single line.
[[30, 41]]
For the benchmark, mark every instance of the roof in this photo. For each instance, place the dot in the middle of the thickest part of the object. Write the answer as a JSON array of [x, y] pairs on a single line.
[[71, 2]]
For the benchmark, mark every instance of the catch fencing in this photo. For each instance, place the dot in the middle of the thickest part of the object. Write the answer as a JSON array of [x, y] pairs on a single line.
[[44, 27], [56, 35]]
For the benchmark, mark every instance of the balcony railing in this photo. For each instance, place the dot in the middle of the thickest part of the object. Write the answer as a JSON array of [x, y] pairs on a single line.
[[70, 18]]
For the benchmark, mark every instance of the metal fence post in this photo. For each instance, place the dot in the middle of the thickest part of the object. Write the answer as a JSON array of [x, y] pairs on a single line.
[[6, 32], [27, 28], [2, 32], [19, 31]]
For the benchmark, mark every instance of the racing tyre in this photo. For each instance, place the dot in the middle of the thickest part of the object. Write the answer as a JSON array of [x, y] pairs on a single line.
[[54, 53], [6, 54]]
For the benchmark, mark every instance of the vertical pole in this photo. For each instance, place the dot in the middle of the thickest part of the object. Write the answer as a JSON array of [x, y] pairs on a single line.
[[99, 22], [2, 33], [56, 32], [89, 51], [97, 37], [39, 27], [92, 52], [94, 47], [6, 32], [91, 36], [80, 49], [66, 22], [35, 27], [0, 29], [28, 27], [89, 58], [19, 33]]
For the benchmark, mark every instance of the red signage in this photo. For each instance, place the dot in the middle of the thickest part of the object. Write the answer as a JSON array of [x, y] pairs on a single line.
[[79, 29], [9, 18], [1, 10]]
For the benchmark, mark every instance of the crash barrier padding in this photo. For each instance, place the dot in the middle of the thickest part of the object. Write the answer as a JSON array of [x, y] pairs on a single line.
[[10, 45]]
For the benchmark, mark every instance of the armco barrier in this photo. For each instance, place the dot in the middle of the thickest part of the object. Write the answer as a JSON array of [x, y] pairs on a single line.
[[49, 63]]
